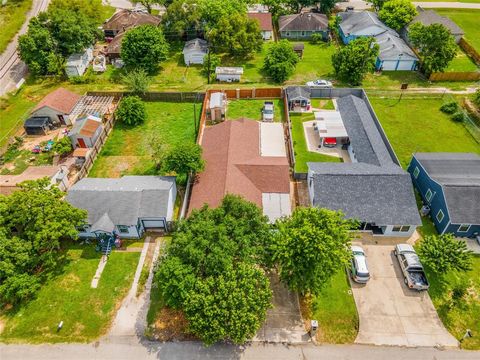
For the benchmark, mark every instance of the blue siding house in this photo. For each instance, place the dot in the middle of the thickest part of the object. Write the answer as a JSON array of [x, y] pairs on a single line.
[[449, 183], [355, 24]]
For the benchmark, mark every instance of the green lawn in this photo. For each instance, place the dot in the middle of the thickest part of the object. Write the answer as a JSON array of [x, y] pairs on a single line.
[[457, 316], [86, 313], [252, 109], [462, 63], [302, 155], [316, 63], [462, 1], [334, 309], [418, 126], [127, 151], [12, 17], [468, 20]]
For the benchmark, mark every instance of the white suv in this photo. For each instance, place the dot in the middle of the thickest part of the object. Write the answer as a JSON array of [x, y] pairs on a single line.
[[359, 268]]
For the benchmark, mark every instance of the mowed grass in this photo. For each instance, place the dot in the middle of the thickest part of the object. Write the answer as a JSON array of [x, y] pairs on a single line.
[[334, 309], [127, 152], [417, 125], [316, 63], [462, 63], [12, 16], [457, 316], [302, 155], [86, 313], [252, 109], [468, 20]]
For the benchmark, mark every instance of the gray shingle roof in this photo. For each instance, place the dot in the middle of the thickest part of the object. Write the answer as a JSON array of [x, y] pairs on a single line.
[[364, 136], [104, 223], [303, 22], [459, 175], [124, 200], [364, 192], [295, 92], [428, 17], [196, 44], [393, 47], [358, 21]]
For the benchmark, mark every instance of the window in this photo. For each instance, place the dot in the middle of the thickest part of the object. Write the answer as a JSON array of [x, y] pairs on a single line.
[[405, 228], [429, 195], [440, 216], [396, 228], [123, 229], [463, 228], [416, 172]]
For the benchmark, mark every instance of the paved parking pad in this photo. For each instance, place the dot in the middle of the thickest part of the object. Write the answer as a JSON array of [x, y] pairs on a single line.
[[392, 314]]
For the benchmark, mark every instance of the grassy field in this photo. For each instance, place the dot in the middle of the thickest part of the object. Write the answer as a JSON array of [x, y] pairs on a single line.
[[417, 125], [316, 63], [335, 311], [12, 17], [468, 21], [127, 151], [302, 155], [252, 109], [457, 316], [462, 63], [86, 313]]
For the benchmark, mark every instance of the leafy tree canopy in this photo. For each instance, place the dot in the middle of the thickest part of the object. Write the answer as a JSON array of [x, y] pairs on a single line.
[[144, 47], [353, 61], [443, 254], [310, 247], [181, 17], [137, 81], [436, 46], [184, 158], [131, 111], [397, 13], [62, 146], [280, 61]]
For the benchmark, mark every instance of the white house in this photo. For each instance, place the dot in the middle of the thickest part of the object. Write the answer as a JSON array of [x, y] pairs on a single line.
[[228, 74], [57, 106], [127, 206], [77, 64], [194, 51], [86, 131]]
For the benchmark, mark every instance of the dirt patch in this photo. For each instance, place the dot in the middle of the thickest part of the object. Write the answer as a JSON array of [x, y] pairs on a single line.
[[171, 325], [2, 324], [70, 281]]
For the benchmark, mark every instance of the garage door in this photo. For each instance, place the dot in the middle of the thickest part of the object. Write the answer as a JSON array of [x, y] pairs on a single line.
[[405, 65], [389, 65], [150, 224]]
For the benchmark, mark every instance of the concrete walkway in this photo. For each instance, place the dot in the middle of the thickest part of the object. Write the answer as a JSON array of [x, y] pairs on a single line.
[[130, 322], [101, 266]]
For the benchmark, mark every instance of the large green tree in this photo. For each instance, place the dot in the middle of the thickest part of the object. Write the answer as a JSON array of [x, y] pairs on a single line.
[[397, 13], [310, 247], [236, 35], [443, 254], [280, 61], [183, 159], [435, 45], [131, 111], [213, 271], [34, 221], [353, 61], [144, 47], [181, 18]]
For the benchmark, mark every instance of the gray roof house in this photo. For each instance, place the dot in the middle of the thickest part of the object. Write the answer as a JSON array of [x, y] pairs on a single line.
[[356, 24], [449, 184], [303, 25], [298, 98], [373, 188], [127, 206], [429, 17], [394, 53]]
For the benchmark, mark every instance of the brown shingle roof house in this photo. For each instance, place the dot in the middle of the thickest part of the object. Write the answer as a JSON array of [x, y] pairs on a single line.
[[264, 19], [57, 106], [125, 19], [246, 158]]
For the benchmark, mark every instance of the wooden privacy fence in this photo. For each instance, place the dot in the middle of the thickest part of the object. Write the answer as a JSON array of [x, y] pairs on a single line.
[[470, 50], [253, 93], [455, 76]]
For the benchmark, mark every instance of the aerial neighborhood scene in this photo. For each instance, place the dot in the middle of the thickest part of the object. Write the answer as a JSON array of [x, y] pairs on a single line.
[[239, 179]]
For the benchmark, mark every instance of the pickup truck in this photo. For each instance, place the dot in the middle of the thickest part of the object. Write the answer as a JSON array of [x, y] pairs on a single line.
[[267, 111], [412, 269]]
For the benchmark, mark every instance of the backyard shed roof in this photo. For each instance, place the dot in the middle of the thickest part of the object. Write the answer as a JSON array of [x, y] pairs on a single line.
[[365, 192], [298, 93], [125, 200], [196, 44], [86, 126], [225, 70], [61, 100], [125, 19], [37, 122], [357, 21], [303, 22], [428, 17], [459, 175], [393, 47], [264, 20]]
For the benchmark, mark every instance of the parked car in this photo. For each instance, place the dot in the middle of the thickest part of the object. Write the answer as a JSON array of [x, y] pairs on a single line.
[[359, 268], [37, 149], [330, 142], [320, 83], [268, 111], [412, 269]]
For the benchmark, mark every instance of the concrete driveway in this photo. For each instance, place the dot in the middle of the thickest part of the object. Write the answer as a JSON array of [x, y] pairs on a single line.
[[392, 314]]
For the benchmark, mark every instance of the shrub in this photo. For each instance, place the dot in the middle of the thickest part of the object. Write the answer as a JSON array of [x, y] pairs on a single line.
[[137, 81], [459, 290], [458, 116], [449, 108], [280, 61], [316, 38], [62, 146], [131, 111], [476, 98]]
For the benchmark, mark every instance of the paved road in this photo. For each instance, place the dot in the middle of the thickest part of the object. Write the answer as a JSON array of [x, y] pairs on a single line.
[[362, 5], [12, 69], [195, 351]]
